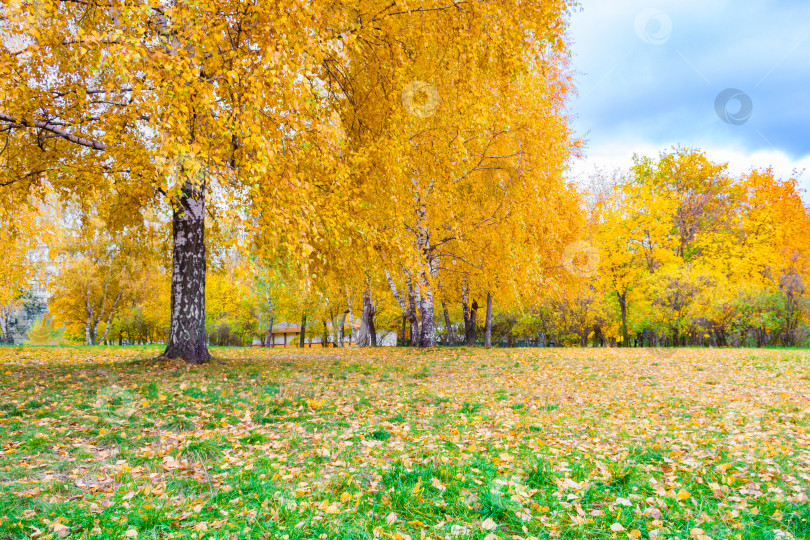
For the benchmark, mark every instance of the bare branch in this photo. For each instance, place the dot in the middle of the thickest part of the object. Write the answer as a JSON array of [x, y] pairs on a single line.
[[47, 126]]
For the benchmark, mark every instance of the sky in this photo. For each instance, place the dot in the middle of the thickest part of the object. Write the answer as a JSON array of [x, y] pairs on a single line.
[[729, 77]]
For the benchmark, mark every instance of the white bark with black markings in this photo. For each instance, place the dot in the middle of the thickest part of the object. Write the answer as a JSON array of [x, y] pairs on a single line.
[[427, 335], [187, 336], [408, 308]]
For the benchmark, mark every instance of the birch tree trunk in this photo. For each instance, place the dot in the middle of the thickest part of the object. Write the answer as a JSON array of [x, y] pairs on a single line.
[[488, 324], [362, 334], [88, 331], [409, 308], [325, 337], [6, 316], [110, 314], [89, 307], [271, 311], [372, 327], [472, 331], [413, 294], [465, 309], [367, 337], [450, 335], [187, 337], [342, 328], [270, 339], [623, 307], [351, 316], [470, 315], [427, 338]]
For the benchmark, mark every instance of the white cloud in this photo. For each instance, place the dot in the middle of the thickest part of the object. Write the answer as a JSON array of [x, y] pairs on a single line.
[[640, 97]]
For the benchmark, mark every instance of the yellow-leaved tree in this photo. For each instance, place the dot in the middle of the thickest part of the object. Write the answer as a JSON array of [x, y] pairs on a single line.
[[170, 102], [25, 232], [692, 253], [457, 143]]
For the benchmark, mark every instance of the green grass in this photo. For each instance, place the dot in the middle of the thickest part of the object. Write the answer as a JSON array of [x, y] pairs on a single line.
[[204, 450]]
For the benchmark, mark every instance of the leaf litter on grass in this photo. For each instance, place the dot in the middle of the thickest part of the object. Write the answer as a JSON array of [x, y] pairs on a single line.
[[299, 444]]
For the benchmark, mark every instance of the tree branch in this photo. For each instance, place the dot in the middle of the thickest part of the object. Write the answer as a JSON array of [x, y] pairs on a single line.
[[47, 126]]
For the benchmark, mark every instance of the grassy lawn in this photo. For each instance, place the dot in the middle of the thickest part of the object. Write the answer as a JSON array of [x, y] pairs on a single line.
[[398, 444]]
